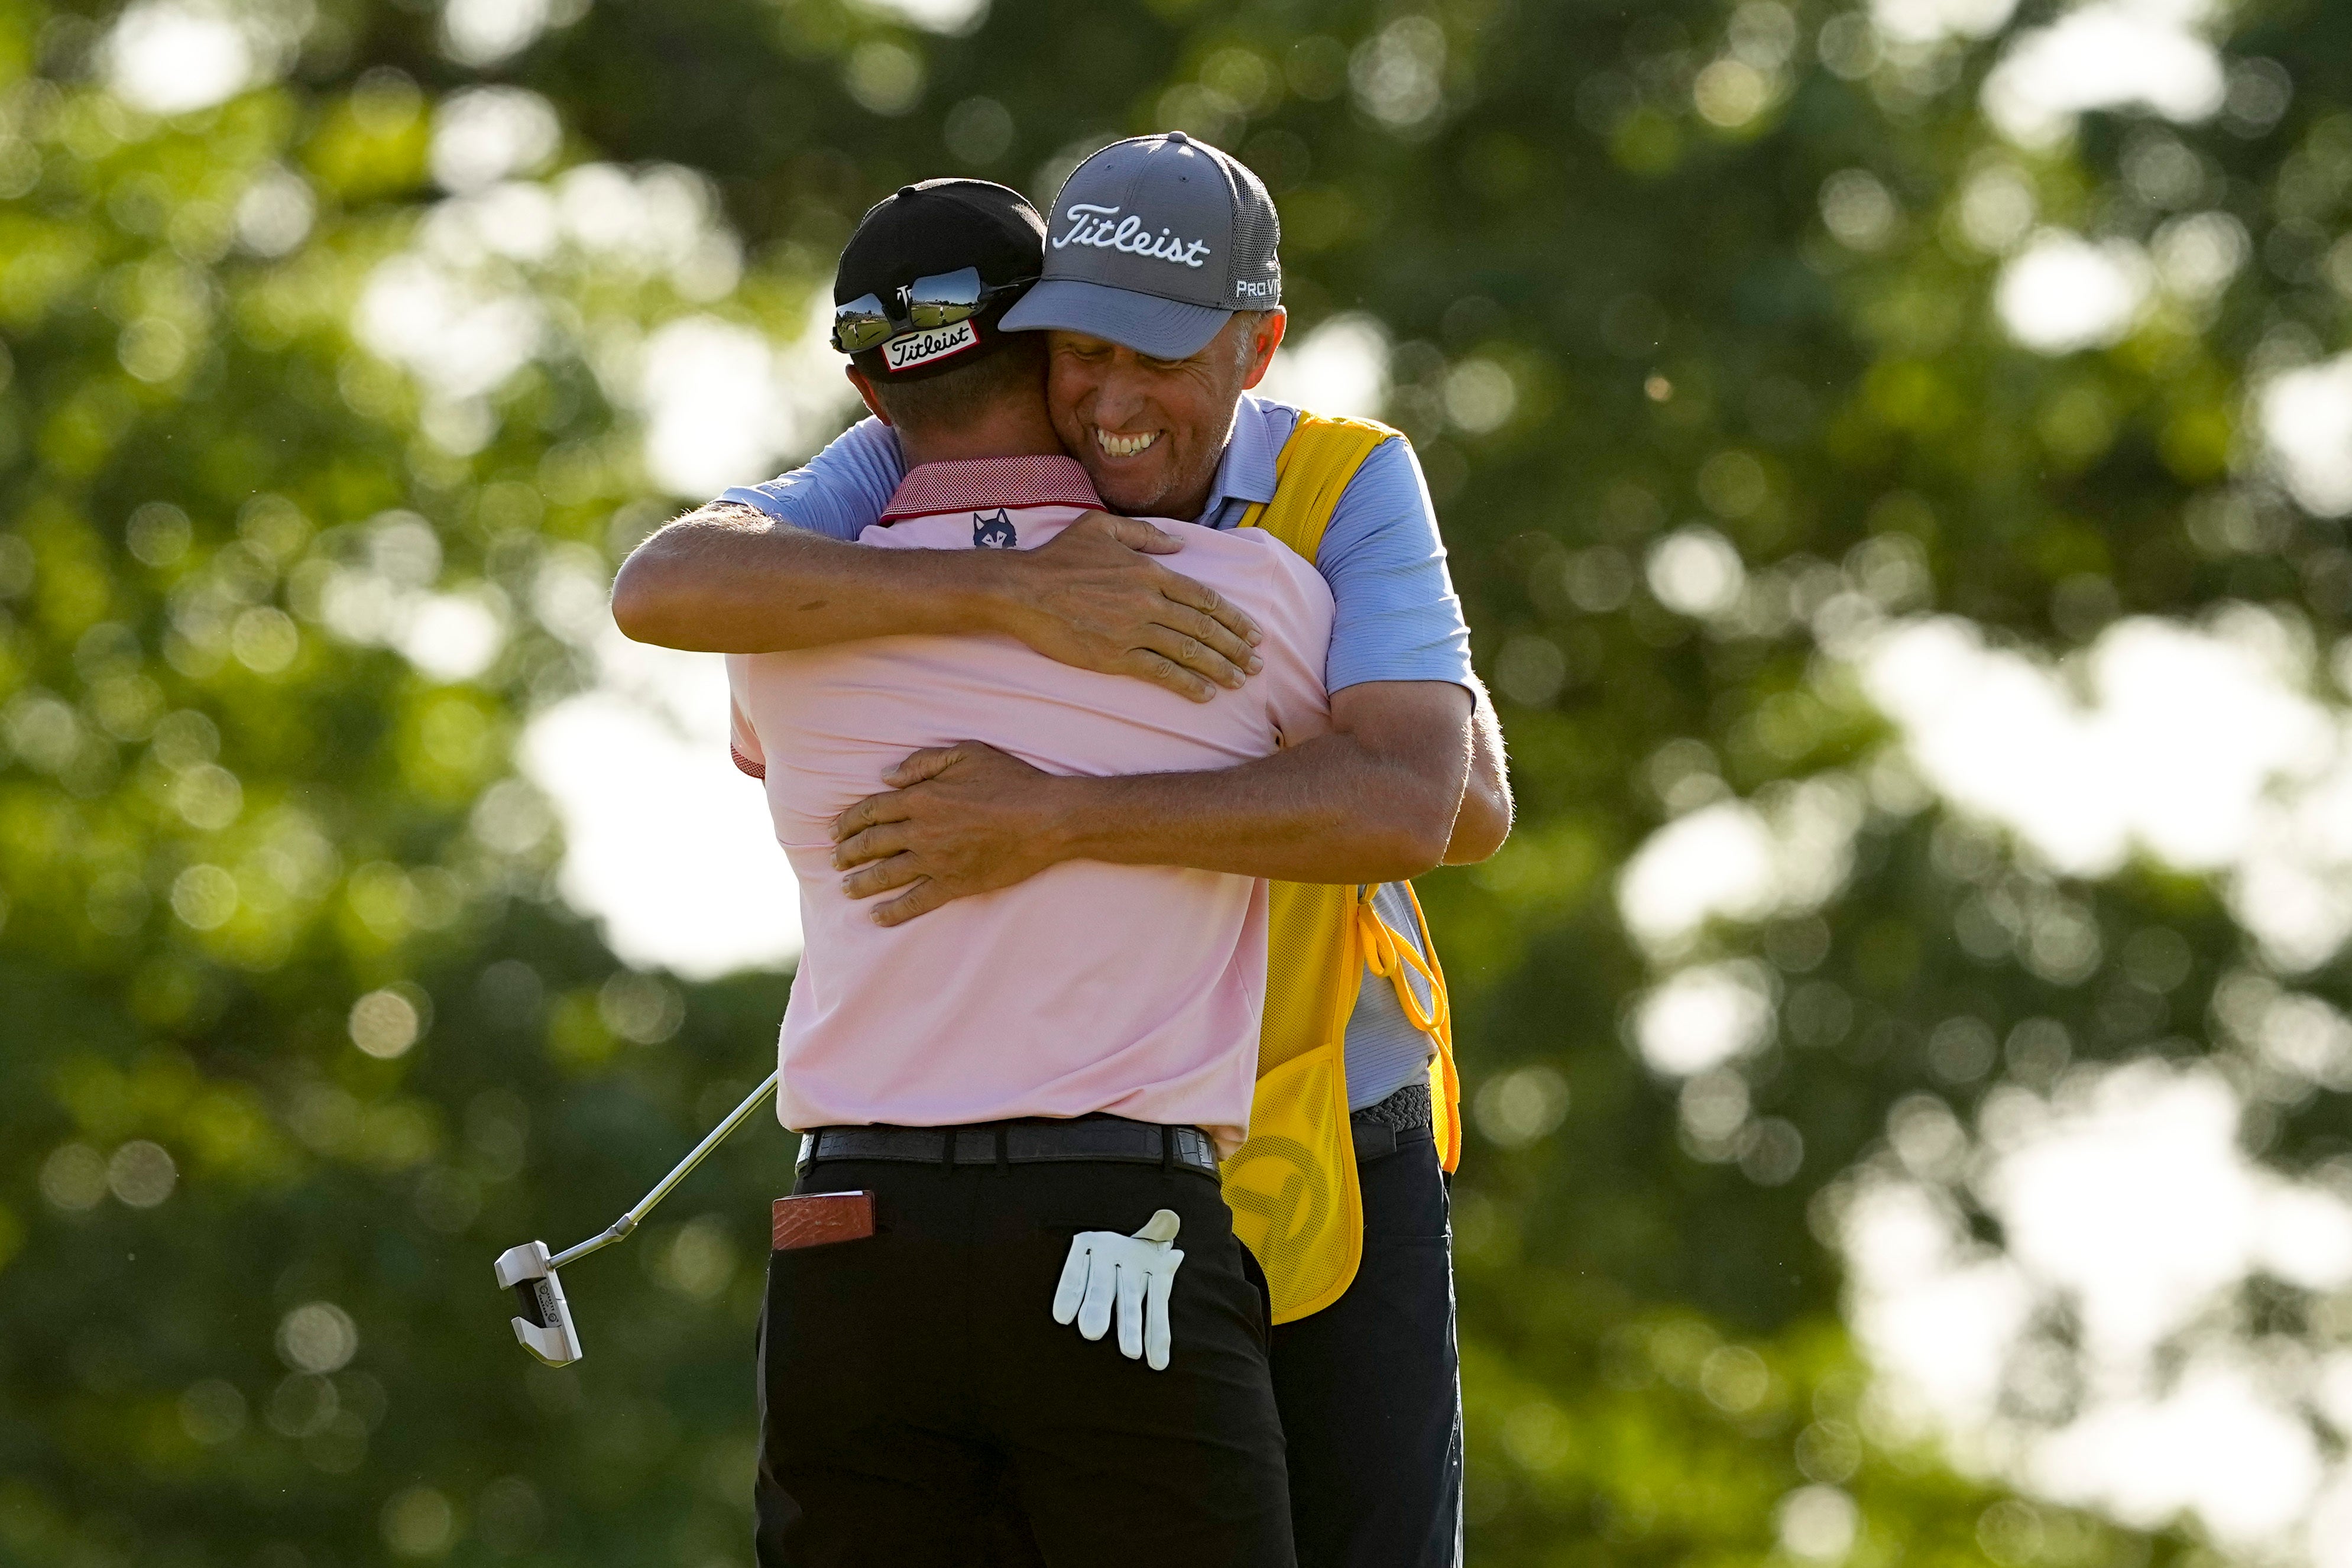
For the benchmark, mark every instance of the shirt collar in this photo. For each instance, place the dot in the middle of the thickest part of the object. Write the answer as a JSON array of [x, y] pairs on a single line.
[[1245, 473], [971, 484]]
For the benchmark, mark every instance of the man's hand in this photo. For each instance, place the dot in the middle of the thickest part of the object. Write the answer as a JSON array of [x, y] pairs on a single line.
[[1092, 598], [1136, 1273], [956, 820]]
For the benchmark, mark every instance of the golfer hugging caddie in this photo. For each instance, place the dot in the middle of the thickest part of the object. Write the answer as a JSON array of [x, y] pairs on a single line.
[[1097, 841]]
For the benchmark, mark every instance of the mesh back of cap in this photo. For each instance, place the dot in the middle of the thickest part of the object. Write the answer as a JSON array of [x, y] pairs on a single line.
[[1257, 231]]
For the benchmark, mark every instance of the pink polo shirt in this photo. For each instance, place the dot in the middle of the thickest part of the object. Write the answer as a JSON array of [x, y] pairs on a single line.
[[1134, 990]]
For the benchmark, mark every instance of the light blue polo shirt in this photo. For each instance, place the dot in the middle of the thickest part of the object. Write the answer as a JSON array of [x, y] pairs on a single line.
[[1395, 618]]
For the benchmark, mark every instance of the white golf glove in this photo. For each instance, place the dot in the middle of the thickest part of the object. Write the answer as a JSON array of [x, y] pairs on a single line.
[[1137, 1272]]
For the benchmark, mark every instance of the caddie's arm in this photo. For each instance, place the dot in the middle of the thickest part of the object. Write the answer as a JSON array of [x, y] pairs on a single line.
[[774, 568], [1375, 800], [1484, 820], [1380, 798], [1411, 774]]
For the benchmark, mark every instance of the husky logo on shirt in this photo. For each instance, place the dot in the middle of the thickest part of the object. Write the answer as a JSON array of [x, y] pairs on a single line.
[[992, 532]]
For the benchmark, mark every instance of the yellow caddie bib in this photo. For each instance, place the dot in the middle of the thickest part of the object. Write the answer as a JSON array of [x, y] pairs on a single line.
[[1291, 1185]]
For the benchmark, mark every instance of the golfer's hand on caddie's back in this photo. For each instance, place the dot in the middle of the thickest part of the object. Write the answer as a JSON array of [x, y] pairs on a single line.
[[1135, 1273]]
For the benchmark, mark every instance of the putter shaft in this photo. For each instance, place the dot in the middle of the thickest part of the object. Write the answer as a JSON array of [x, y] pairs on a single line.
[[628, 1221]]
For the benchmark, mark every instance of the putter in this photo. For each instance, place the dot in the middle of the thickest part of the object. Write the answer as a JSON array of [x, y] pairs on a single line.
[[545, 1326]]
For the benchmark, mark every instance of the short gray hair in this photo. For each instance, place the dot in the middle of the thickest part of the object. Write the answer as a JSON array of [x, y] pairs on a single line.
[[1252, 320]]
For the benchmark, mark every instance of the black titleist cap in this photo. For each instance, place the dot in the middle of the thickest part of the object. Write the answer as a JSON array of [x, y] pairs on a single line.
[[904, 245]]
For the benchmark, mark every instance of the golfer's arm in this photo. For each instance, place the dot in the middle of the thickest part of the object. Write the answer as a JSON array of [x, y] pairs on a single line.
[[1375, 800], [728, 578]]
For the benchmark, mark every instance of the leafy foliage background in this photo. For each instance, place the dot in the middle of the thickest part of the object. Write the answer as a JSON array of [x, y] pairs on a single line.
[[221, 824]]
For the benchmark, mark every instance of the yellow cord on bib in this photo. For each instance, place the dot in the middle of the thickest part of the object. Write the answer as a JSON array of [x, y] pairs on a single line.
[[1391, 957]]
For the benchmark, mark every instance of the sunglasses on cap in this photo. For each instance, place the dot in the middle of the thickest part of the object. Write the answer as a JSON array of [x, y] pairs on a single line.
[[939, 300]]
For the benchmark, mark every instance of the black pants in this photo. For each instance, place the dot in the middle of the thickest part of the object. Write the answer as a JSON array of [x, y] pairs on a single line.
[[918, 1401], [1369, 1387]]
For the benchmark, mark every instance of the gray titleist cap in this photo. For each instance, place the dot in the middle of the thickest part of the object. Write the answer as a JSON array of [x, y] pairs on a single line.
[[1154, 243]]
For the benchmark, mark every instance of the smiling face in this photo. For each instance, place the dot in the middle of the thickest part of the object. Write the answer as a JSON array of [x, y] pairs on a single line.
[[1150, 431]]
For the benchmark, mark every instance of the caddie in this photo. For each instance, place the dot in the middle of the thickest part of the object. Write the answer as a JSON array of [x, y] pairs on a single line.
[[1161, 302]]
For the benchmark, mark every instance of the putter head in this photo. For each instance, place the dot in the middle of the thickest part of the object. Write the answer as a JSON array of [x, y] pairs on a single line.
[[544, 1325]]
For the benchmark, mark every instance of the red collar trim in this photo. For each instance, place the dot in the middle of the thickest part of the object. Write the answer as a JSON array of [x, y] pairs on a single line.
[[974, 484]]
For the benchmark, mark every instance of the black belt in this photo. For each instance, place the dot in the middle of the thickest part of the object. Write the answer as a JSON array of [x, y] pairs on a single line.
[[1098, 1138], [1402, 1119]]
